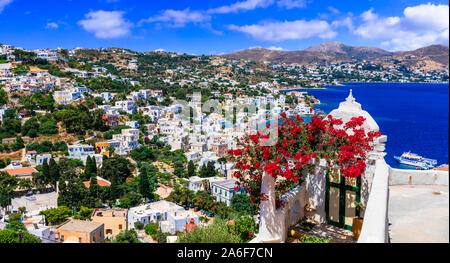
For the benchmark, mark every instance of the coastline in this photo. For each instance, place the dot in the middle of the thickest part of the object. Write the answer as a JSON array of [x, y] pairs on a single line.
[[344, 83]]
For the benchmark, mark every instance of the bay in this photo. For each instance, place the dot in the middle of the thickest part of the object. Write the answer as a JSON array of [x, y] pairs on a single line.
[[414, 116]]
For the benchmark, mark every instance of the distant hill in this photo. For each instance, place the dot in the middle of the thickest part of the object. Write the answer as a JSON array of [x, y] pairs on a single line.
[[330, 52], [340, 50]]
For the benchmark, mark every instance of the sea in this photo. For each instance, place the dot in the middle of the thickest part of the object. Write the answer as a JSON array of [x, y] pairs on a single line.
[[414, 116]]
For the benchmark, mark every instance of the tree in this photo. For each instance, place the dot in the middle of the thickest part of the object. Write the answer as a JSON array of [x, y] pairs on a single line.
[[127, 236], [5, 199], [130, 199], [144, 184], [31, 127], [114, 191], [54, 173], [11, 236], [138, 225], [91, 167], [8, 184], [22, 211], [46, 177], [84, 213], [118, 166], [3, 97], [151, 229], [55, 216], [48, 127], [191, 169], [240, 204]]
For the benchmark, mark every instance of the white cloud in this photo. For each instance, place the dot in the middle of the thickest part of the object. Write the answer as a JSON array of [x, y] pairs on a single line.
[[52, 25], [287, 30], [333, 10], [346, 22], [179, 18], [4, 3], [106, 24], [241, 6], [275, 48], [270, 48], [419, 26], [290, 4]]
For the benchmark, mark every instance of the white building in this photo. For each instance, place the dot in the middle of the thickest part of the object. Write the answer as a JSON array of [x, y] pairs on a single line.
[[128, 106], [170, 217], [223, 191]]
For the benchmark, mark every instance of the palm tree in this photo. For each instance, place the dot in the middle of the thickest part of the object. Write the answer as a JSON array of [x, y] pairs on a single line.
[[22, 211]]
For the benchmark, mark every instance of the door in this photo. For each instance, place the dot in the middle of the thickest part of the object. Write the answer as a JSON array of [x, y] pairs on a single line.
[[340, 197]]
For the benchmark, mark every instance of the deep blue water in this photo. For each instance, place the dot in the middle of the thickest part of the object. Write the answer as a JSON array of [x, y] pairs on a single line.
[[413, 116]]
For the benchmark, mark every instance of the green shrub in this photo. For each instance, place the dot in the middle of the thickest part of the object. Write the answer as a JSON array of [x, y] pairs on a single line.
[[217, 232], [151, 230], [11, 236], [162, 237], [244, 227], [314, 239], [138, 225], [127, 236]]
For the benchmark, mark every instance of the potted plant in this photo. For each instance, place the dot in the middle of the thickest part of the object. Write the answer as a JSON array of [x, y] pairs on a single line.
[[358, 220]]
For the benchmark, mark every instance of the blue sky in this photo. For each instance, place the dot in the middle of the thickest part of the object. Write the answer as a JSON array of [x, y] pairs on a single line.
[[215, 27]]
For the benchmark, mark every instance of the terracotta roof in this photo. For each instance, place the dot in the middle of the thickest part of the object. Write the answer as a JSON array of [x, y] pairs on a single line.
[[100, 182], [442, 169], [22, 170]]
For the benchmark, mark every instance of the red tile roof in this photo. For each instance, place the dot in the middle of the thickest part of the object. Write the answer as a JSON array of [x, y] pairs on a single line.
[[100, 182], [19, 171]]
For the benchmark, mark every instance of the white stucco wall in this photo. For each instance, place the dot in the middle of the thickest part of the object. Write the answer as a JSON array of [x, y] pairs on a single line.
[[402, 176], [375, 226]]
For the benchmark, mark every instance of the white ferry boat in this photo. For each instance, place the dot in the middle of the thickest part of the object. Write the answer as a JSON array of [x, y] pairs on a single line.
[[416, 160]]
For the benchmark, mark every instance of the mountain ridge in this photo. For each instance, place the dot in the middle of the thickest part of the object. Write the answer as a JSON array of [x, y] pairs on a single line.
[[331, 52]]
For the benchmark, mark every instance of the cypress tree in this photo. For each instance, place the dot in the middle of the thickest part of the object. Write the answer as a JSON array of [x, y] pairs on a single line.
[[191, 169], [144, 184], [46, 172], [114, 188], [54, 172], [93, 187], [210, 169]]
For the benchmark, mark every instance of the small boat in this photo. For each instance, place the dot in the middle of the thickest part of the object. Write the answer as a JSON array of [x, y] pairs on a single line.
[[416, 160]]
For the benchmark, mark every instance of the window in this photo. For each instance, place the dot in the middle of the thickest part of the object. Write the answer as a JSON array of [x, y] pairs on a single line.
[[93, 237], [62, 238], [120, 226], [108, 231], [80, 240], [226, 193]]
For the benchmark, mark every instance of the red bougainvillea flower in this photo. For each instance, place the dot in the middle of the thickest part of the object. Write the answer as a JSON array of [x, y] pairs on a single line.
[[343, 146]]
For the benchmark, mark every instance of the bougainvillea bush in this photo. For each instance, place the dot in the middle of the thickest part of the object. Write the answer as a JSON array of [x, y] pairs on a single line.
[[298, 147]]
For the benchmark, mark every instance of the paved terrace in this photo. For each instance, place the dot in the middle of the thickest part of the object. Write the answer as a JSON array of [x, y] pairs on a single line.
[[419, 214]]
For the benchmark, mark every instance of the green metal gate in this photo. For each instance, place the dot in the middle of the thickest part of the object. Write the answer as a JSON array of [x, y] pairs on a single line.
[[340, 197]]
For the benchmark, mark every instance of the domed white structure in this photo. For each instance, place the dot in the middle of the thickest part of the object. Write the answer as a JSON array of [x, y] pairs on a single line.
[[350, 108]]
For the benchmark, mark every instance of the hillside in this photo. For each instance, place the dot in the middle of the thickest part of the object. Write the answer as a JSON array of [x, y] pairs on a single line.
[[435, 56]]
